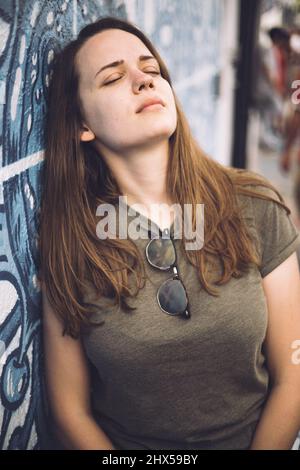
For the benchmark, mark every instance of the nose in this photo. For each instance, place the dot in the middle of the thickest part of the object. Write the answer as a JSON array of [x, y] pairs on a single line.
[[142, 80]]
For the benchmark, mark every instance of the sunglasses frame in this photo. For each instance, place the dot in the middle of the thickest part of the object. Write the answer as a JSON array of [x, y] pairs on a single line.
[[186, 313]]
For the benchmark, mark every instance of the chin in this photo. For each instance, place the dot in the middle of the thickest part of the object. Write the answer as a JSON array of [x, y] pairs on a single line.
[[164, 129]]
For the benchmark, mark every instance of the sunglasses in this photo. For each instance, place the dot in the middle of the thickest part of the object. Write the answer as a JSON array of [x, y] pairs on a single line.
[[171, 295]]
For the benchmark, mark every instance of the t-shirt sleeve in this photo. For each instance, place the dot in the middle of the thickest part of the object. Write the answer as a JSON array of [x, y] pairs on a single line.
[[277, 234]]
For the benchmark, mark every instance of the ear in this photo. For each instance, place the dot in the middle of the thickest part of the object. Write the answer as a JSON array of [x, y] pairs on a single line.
[[86, 134]]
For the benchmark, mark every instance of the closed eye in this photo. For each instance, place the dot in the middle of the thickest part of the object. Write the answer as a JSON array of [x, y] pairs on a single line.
[[150, 71]]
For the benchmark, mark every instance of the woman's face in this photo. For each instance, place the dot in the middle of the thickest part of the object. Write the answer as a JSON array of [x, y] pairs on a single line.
[[110, 110]]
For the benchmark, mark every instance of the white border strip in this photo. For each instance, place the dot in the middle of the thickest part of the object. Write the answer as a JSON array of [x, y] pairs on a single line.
[[20, 166]]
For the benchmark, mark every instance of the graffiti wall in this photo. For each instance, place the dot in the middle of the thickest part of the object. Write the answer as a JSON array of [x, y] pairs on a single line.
[[31, 33], [186, 34]]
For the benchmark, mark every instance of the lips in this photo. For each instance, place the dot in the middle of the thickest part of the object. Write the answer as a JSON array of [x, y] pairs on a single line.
[[149, 103]]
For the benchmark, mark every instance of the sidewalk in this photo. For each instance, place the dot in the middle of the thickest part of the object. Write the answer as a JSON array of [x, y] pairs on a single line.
[[266, 162]]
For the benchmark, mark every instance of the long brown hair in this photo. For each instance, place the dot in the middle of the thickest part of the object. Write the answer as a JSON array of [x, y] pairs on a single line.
[[76, 180]]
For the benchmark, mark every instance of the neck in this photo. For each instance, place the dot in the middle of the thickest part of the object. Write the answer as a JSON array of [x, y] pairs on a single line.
[[141, 175]]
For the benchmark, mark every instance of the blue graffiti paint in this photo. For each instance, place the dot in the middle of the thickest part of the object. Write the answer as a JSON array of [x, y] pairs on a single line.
[[32, 32]]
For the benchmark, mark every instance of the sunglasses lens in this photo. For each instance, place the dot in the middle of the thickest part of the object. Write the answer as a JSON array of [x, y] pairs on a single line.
[[172, 297], [161, 253]]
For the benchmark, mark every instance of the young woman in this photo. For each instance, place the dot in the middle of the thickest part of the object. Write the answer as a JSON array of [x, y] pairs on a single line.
[[149, 344]]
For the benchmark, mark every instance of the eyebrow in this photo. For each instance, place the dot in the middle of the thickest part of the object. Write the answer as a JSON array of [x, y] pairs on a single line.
[[116, 63]]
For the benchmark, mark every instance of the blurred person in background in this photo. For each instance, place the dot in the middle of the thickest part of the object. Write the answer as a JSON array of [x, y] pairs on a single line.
[[286, 53], [268, 96], [280, 38]]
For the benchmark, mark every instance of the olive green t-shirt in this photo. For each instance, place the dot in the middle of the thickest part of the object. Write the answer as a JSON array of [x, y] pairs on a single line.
[[164, 382]]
